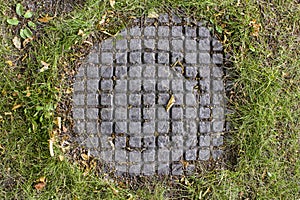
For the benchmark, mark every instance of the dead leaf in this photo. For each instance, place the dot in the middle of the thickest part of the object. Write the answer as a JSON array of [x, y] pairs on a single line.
[[45, 66], [42, 179], [17, 42], [170, 103], [40, 186], [84, 156], [61, 158], [9, 62], [28, 94], [112, 3], [27, 40], [16, 107], [256, 27], [80, 33], [45, 19], [69, 90]]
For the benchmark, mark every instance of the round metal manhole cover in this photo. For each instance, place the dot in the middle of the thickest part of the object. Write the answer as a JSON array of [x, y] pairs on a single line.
[[151, 98]]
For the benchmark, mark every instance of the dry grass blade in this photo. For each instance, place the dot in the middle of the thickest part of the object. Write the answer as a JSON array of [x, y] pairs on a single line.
[[170, 103]]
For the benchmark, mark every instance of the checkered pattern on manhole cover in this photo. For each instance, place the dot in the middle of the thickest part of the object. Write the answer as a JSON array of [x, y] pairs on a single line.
[[121, 94]]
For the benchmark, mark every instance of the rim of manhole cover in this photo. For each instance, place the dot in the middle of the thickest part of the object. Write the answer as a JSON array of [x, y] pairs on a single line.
[[151, 98]]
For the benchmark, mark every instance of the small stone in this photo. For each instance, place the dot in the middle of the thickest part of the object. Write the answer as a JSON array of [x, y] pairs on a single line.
[[120, 99], [163, 127], [204, 141], [135, 128], [120, 155], [217, 58], [78, 113], [204, 45], [135, 142], [177, 169], [148, 169], [149, 31], [78, 99], [93, 58], [149, 44], [106, 114], [163, 18], [135, 156], [135, 44], [106, 58], [149, 141], [191, 154], [120, 142], [177, 31], [121, 58], [218, 141], [204, 127], [149, 128], [120, 127], [191, 58], [135, 114], [135, 58], [149, 155], [163, 45], [120, 113], [163, 155], [204, 154], [121, 44]]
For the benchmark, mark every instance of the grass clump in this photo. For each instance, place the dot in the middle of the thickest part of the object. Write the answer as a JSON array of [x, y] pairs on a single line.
[[262, 40]]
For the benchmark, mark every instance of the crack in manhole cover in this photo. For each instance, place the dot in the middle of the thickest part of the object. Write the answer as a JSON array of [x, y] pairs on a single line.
[[122, 90]]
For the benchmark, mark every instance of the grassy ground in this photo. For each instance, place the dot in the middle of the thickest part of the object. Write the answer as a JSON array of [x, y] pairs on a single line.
[[263, 40]]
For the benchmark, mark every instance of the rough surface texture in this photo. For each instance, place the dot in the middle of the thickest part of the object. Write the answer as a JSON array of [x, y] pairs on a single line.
[[121, 93]]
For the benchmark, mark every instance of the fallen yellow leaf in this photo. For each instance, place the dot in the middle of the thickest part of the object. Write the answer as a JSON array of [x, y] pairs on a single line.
[[112, 3], [9, 62], [84, 156], [61, 158], [80, 33], [16, 107], [170, 103], [45, 19], [42, 179]]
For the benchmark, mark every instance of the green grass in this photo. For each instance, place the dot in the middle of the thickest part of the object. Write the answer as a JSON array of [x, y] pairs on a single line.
[[266, 95]]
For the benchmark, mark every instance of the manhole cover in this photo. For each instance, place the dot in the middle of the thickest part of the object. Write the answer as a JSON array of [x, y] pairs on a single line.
[[122, 98]]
